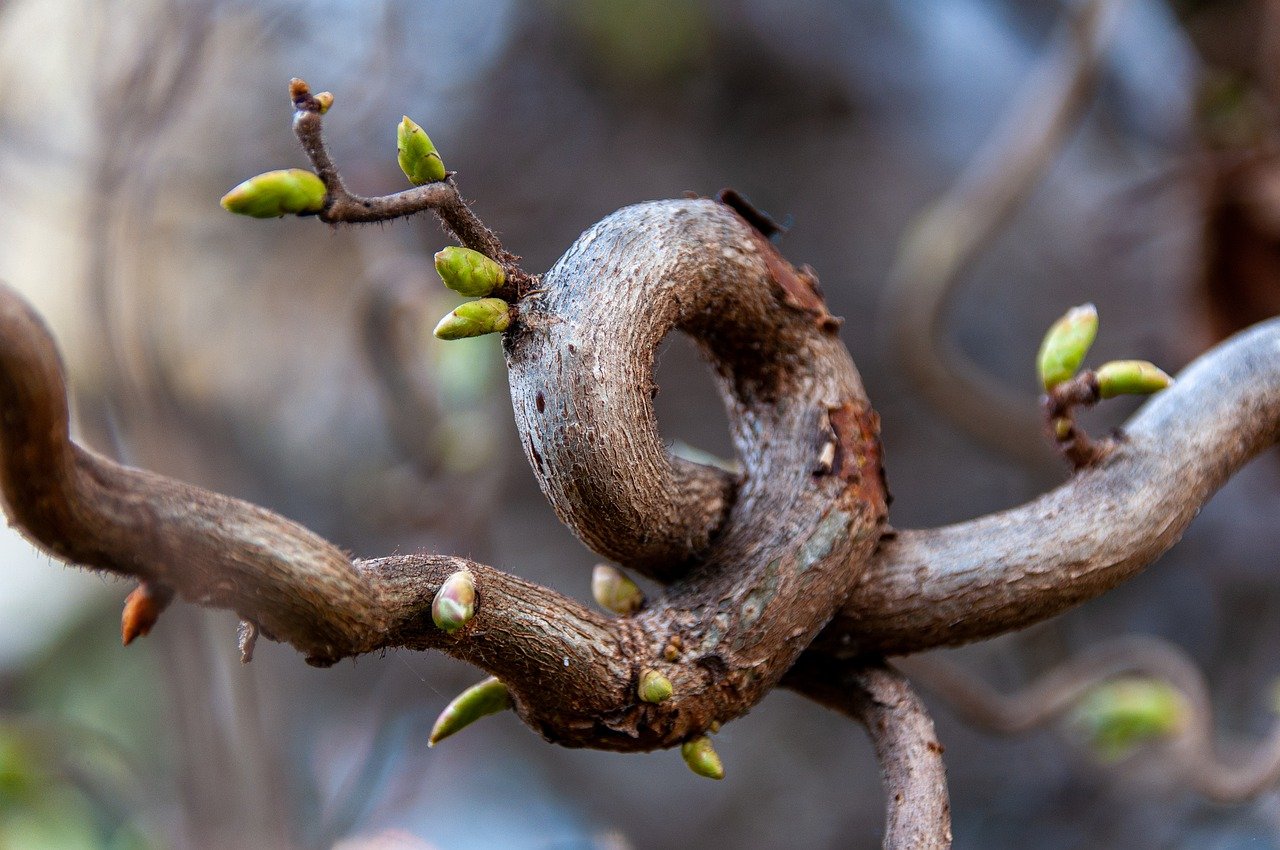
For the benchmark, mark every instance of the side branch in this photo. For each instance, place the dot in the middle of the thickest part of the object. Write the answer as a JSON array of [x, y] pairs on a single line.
[[1008, 570], [443, 198], [565, 665], [918, 806]]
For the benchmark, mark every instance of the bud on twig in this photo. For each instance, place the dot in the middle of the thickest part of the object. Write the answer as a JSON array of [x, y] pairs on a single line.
[[1130, 377], [468, 272], [654, 687], [1066, 344], [614, 591], [1119, 715], [324, 100], [277, 193], [488, 697], [475, 318], [702, 758], [455, 602], [418, 157]]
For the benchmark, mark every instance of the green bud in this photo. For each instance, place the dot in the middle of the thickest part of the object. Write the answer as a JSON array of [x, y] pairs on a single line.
[[702, 758], [455, 602], [654, 687], [614, 591], [418, 157], [475, 318], [1066, 344], [468, 272], [1130, 377], [488, 697], [1119, 715], [277, 193], [324, 100]]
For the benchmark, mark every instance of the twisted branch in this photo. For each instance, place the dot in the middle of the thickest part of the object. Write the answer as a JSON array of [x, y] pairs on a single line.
[[758, 565]]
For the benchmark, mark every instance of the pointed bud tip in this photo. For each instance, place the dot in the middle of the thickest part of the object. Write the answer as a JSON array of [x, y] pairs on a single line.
[[417, 155], [488, 697], [614, 591], [468, 272], [272, 194], [1065, 345], [475, 318], [1131, 377], [702, 758]]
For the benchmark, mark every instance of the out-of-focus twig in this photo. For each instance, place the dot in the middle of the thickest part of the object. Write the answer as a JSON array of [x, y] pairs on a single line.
[[947, 236], [1062, 688]]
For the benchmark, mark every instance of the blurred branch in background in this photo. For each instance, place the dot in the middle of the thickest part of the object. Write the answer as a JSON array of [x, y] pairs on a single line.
[[1190, 754], [942, 242], [558, 113]]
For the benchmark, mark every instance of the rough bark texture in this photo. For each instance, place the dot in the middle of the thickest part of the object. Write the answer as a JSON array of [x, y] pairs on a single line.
[[772, 559], [757, 566], [1006, 571]]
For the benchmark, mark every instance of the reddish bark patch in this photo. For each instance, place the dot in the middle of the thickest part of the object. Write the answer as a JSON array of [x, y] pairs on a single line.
[[859, 459]]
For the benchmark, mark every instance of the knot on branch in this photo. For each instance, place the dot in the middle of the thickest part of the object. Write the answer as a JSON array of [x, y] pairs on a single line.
[[758, 564]]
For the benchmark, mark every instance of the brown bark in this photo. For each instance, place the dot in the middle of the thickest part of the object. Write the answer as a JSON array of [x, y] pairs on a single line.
[[757, 566], [917, 805]]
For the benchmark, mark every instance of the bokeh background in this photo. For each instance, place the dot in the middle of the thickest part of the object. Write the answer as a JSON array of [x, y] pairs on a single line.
[[292, 365]]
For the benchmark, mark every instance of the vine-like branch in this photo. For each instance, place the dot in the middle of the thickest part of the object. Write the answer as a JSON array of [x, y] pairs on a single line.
[[943, 242], [1059, 690], [758, 565]]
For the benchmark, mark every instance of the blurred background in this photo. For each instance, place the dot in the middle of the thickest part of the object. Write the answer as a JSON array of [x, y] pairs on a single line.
[[1132, 164]]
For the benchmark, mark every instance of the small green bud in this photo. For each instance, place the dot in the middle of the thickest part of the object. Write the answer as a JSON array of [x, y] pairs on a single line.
[[418, 157], [1130, 377], [324, 100], [475, 318], [1119, 715], [455, 602], [1066, 344], [468, 272], [277, 193], [1062, 427], [614, 591], [488, 697], [654, 687], [702, 758]]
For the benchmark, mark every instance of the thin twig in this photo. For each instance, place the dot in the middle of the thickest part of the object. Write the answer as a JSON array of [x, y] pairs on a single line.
[[442, 198], [1068, 436]]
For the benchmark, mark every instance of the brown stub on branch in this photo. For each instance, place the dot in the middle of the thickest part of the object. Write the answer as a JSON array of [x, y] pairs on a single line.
[[753, 215], [1064, 432], [142, 610]]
